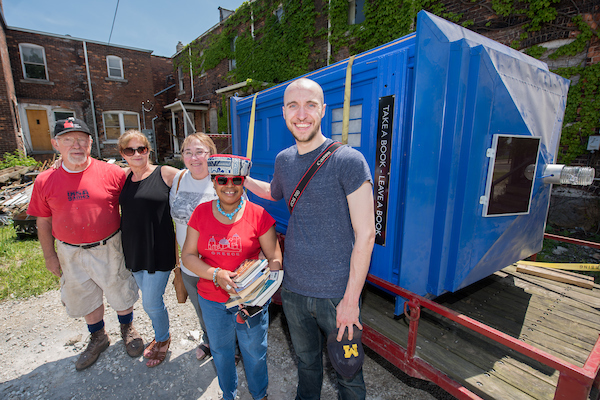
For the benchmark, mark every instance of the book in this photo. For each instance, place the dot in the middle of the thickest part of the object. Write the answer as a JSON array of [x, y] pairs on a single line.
[[245, 269], [244, 292], [251, 274], [237, 300], [268, 289], [255, 282]]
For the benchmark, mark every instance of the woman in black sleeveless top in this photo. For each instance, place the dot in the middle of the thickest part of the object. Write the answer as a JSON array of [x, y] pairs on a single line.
[[148, 235]]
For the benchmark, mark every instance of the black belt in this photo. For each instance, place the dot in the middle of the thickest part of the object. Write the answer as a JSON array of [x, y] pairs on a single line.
[[90, 245]]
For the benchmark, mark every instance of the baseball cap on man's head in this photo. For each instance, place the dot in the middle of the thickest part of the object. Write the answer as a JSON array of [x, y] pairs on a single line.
[[70, 124]]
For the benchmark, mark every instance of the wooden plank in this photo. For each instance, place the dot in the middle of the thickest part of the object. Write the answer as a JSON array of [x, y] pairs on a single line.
[[529, 331], [530, 376], [485, 382], [575, 274], [591, 299], [555, 276], [558, 312], [516, 285], [555, 317]]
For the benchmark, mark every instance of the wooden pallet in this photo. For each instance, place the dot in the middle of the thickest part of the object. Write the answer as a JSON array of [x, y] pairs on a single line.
[[558, 318]]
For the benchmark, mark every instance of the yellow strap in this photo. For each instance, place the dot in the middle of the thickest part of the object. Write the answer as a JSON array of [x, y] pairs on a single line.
[[346, 112], [565, 266], [251, 128]]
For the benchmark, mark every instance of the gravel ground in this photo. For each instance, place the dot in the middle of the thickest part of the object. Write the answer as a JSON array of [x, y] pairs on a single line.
[[39, 345]]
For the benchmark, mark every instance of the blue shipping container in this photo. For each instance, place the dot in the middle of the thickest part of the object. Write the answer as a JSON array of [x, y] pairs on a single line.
[[457, 130]]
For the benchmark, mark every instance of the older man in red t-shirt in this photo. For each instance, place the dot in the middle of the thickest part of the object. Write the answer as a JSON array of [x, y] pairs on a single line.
[[78, 205]]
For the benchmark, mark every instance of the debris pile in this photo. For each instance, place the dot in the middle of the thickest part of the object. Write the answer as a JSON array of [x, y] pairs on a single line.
[[15, 193]]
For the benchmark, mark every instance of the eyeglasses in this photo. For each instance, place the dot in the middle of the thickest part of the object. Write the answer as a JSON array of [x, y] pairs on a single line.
[[70, 141], [198, 154], [129, 151], [235, 180]]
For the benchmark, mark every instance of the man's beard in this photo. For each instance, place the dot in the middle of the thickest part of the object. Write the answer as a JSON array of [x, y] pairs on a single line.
[[310, 137]]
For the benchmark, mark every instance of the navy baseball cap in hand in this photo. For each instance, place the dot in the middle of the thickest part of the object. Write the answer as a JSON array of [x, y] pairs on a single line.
[[346, 356]]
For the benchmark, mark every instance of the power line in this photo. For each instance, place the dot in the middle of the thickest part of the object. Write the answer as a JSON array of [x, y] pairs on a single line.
[[113, 23]]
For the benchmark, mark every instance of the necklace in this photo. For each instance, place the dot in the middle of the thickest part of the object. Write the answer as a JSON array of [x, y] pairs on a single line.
[[231, 214]]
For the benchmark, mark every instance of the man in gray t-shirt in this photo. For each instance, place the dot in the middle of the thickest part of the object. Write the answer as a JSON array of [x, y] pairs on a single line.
[[329, 239]]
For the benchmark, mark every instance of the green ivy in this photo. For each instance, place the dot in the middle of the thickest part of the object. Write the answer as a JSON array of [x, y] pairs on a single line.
[[279, 50], [582, 112], [536, 51], [580, 42], [222, 117], [538, 12], [282, 50]]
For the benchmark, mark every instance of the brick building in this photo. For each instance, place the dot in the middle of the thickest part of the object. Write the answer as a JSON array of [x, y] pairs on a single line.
[[11, 137], [58, 76], [215, 85], [46, 76]]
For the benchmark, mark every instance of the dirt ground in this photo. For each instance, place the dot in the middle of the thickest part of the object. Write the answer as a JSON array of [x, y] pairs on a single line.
[[39, 345]]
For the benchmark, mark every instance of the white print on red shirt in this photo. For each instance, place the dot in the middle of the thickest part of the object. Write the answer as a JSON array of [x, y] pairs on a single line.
[[231, 246]]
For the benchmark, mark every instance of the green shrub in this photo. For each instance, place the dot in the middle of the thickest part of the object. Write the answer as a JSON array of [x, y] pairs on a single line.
[[17, 158]]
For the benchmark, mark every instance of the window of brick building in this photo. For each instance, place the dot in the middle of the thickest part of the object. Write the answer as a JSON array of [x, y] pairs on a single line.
[[117, 122], [58, 115], [115, 67], [180, 79], [202, 71], [232, 62], [356, 14], [33, 59]]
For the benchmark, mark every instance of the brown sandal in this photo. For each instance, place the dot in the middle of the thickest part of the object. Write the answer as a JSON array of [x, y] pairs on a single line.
[[150, 350], [158, 353]]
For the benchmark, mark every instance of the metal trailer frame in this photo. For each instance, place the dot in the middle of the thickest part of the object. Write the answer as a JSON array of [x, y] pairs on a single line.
[[574, 382]]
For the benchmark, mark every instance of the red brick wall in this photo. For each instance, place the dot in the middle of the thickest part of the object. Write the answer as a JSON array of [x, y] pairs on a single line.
[[115, 95], [65, 65], [67, 84], [9, 128], [162, 77]]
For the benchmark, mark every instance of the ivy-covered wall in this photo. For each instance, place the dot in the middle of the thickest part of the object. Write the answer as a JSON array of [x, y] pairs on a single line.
[[276, 40]]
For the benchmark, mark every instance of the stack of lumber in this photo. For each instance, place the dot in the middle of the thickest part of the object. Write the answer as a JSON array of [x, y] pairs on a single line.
[[13, 173], [14, 195], [15, 198], [571, 278]]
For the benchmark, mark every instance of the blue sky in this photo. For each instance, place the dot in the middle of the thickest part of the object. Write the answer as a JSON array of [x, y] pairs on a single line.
[[146, 24]]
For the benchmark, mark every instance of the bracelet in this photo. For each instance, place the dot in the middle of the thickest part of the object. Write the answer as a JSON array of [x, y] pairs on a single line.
[[216, 271]]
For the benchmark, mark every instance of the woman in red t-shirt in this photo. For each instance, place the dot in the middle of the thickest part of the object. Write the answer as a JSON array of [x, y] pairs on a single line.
[[226, 232]]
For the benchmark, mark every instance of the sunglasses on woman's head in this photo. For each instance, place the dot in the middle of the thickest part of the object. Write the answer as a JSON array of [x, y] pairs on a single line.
[[235, 180], [129, 151]]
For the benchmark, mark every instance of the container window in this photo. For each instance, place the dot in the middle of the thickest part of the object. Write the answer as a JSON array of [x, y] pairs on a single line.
[[513, 162], [354, 128]]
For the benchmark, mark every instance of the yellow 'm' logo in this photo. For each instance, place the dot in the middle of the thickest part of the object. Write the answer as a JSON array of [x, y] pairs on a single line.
[[350, 351]]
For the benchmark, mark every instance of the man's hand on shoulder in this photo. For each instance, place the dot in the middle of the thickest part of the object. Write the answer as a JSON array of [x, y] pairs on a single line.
[[260, 188], [346, 317]]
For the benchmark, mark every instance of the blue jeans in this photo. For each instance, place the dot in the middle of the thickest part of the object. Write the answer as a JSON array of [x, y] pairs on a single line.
[[222, 330], [310, 321], [153, 288]]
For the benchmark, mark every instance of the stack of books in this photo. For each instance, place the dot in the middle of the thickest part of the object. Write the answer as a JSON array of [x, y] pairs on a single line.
[[256, 283]]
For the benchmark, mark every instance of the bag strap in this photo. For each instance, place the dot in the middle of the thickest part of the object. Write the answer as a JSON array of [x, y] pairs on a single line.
[[318, 163], [180, 178]]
